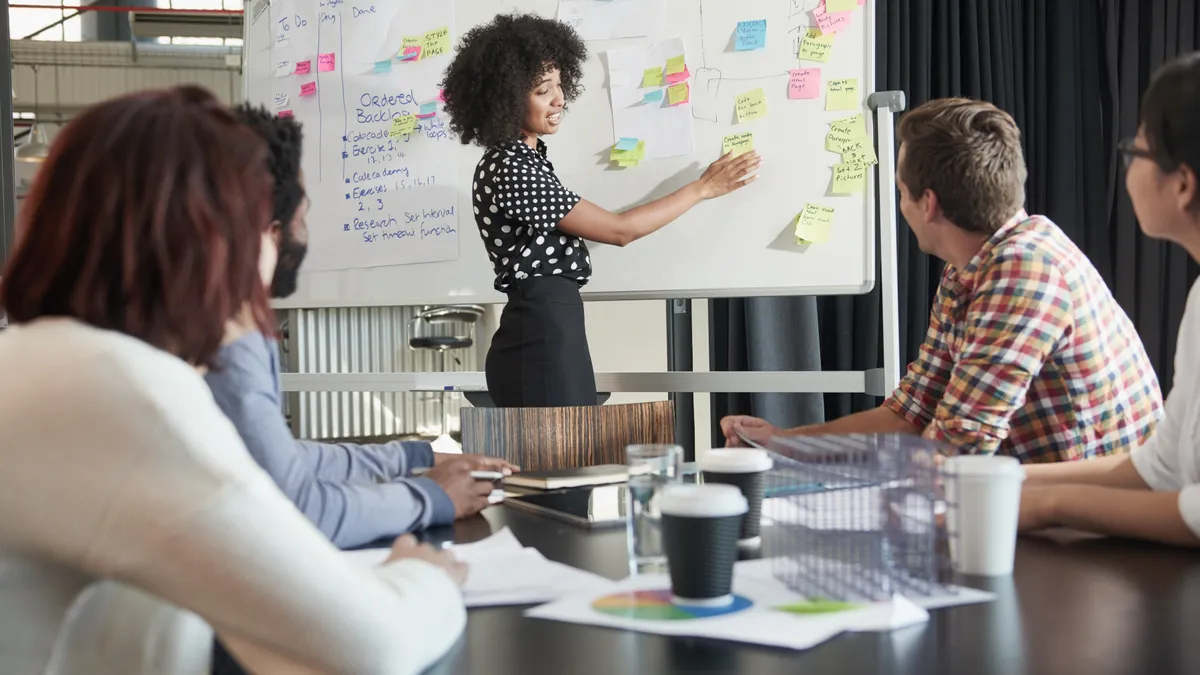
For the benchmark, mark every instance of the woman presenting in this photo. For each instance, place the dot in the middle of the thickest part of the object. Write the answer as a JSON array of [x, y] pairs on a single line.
[[507, 88]]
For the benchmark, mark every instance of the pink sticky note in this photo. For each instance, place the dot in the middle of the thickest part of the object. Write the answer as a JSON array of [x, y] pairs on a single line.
[[441, 95], [308, 88], [411, 53], [676, 78], [285, 113], [830, 22], [326, 62], [804, 83], [303, 67]]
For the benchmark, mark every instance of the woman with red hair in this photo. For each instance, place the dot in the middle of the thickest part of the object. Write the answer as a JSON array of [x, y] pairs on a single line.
[[146, 233]]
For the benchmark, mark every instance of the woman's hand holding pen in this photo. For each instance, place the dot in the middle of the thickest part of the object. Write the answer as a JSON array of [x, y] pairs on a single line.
[[728, 174]]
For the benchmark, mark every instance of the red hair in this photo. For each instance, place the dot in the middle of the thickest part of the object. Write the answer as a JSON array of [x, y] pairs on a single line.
[[147, 219]]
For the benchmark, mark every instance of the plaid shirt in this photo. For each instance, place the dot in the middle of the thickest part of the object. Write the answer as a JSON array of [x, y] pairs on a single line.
[[1029, 355]]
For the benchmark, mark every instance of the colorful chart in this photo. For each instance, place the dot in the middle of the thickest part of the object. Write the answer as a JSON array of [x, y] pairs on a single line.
[[657, 606]]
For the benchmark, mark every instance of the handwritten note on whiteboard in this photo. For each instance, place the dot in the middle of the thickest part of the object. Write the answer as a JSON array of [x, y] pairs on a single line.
[[380, 164]]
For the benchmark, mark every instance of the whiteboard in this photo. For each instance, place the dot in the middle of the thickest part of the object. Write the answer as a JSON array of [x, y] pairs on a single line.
[[739, 245]]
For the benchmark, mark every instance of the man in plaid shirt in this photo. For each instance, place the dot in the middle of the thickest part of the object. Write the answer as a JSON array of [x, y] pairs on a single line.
[[1028, 353]]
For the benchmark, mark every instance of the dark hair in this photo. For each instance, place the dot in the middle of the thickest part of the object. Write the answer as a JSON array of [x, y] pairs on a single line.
[[969, 154], [147, 219], [284, 139], [1170, 122], [498, 63]]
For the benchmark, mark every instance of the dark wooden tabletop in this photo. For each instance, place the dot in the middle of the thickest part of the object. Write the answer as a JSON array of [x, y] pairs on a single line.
[[1074, 606]]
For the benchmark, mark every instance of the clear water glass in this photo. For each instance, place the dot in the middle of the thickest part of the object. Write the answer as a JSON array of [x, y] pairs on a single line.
[[651, 467]]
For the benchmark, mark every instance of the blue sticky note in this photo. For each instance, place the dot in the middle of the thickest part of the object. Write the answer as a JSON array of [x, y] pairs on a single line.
[[627, 144], [653, 96], [751, 35], [428, 107], [383, 66]]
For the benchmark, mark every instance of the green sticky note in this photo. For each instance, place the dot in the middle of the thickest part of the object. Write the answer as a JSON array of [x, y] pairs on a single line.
[[812, 226], [652, 77], [678, 93], [816, 46], [841, 5], [849, 178], [622, 153], [858, 151], [404, 124], [675, 64], [842, 94], [751, 105], [436, 42], [817, 606], [740, 144], [627, 163], [410, 49]]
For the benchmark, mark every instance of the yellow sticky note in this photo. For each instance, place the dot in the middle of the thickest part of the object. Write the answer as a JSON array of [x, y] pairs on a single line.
[[627, 163], [816, 46], [404, 124], [845, 131], [634, 155], [858, 151], [652, 77], [411, 45], [842, 94], [841, 5], [675, 65], [813, 224], [436, 42], [849, 178], [678, 93], [740, 144], [751, 105]]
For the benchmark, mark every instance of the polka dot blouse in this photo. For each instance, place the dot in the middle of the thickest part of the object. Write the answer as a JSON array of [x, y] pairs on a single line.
[[518, 203]]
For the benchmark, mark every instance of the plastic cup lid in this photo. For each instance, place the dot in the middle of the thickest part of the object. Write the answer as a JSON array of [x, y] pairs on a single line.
[[747, 460], [983, 466], [702, 501]]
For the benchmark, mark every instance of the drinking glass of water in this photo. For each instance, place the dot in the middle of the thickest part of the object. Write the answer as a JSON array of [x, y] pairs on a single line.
[[651, 467]]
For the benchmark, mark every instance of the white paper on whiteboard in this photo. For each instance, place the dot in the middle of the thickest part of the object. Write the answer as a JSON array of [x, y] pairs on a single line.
[[667, 130], [613, 19]]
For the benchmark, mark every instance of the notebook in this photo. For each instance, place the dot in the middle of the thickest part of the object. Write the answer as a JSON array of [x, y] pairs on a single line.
[[604, 474]]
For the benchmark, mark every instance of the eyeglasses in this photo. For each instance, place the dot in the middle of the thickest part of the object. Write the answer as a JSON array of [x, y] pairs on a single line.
[[1129, 151]]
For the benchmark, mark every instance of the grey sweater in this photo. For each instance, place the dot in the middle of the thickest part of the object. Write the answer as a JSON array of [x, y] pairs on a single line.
[[353, 493]]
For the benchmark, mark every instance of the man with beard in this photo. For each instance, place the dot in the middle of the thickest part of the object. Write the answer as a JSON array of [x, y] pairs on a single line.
[[355, 494]]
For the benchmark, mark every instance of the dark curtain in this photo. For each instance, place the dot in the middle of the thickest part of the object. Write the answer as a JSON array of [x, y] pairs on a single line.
[[1071, 72]]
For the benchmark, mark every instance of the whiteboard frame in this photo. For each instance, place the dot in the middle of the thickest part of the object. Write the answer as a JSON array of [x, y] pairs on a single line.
[[880, 196], [491, 296]]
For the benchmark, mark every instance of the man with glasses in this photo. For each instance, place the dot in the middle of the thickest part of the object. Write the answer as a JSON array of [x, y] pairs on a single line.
[[1027, 353]]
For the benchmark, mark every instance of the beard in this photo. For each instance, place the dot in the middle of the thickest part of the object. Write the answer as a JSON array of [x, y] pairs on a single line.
[[287, 269]]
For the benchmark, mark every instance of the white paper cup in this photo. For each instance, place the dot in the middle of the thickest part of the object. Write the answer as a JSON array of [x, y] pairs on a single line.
[[700, 534], [983, 496], [745, 469]]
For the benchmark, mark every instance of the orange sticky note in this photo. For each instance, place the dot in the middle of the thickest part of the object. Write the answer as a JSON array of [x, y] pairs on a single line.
[[308, 88], [326, 62], [678, 93], [804, 83], [303, 67]]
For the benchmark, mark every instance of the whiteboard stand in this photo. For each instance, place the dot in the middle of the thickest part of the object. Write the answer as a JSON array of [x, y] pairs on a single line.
[[875, 382], [882, 382]]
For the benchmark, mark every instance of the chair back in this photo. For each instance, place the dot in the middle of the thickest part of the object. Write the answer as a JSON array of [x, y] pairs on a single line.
[[545, 439]]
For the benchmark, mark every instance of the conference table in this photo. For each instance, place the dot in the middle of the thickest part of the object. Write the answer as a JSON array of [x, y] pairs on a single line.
[[1075, 605]]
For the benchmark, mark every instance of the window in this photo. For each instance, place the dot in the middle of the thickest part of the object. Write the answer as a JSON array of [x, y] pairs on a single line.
[[201, 4], [52, 23]]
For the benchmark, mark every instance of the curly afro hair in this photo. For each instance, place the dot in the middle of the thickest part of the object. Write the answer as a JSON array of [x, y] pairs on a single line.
[[283, 137], [487, 86]]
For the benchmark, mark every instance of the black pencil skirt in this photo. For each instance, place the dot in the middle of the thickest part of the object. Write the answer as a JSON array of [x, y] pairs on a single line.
[[539, 356]]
